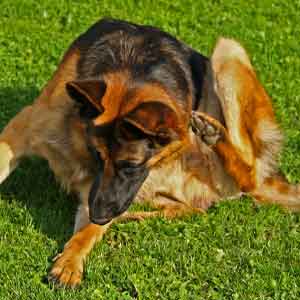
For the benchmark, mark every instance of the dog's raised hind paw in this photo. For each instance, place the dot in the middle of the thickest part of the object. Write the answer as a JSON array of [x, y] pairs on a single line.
[[207, 128], [6, 155]]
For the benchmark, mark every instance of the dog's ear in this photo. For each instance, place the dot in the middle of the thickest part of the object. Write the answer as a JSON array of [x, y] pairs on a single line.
[[155, 119], [198, 65], [88, 94], [109, 198]]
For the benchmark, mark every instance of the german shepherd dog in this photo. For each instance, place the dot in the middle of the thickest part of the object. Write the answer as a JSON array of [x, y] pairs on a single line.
[[133, 114]]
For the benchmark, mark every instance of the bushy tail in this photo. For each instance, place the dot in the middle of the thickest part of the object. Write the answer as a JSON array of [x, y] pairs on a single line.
[[278, 191]]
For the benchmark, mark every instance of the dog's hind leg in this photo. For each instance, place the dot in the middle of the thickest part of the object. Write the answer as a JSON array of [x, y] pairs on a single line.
[[14, 141], [248, 113], [252, 139], [165, 209], [273, 190]]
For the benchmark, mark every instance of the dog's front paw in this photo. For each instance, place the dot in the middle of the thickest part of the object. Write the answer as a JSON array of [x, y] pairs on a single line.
[[6, 156], [207, 128], [67, 270]]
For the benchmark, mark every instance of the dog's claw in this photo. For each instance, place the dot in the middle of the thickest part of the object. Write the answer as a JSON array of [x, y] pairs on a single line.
[[197, 124], [56, 257], [52, 280]]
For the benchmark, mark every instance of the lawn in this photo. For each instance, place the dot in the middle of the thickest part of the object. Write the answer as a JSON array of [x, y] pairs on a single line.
[[236, 251]]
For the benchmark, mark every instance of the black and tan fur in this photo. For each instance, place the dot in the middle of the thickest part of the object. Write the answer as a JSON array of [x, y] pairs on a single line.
[[133, 114]]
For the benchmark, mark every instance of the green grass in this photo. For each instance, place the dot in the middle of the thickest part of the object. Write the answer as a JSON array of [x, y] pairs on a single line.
[[237, 251]]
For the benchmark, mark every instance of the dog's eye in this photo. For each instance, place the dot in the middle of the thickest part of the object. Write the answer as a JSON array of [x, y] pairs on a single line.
[[130, 132], [162, 140], [87, 111]]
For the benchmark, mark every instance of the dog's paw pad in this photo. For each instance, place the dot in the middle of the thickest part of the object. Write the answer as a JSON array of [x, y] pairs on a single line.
[[207, 128], [66, 271], [6, 156]]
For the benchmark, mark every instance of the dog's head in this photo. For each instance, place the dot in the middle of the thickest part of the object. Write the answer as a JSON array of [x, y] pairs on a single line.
[[136, 100]]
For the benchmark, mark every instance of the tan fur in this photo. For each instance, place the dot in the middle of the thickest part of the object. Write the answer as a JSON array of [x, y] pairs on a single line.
[[65, 73], [197, 178], [278, 191], [270, 137], [6, 157], [112, 100]]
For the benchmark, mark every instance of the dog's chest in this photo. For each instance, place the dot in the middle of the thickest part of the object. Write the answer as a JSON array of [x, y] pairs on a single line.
[[198, 179]]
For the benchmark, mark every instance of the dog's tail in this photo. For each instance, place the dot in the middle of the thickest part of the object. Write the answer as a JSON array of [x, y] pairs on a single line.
[[278, 191]]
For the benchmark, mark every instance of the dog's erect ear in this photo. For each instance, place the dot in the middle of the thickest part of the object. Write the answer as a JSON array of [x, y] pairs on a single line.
[[155, 119], [198, 64], [110, 198], [87, 91]]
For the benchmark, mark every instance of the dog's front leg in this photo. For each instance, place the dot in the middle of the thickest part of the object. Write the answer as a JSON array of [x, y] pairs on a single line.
[[14, 142], [68, 267]]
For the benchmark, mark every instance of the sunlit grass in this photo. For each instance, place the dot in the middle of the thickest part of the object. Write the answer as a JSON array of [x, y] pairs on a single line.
[[237, 251]]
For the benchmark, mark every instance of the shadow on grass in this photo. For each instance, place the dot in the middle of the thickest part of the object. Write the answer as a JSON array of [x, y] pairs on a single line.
[[33, 184]]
